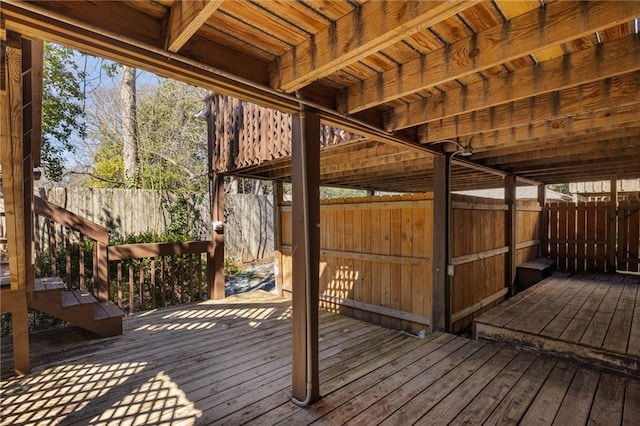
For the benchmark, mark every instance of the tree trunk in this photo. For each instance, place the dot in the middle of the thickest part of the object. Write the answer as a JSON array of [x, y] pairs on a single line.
[[129, 128]]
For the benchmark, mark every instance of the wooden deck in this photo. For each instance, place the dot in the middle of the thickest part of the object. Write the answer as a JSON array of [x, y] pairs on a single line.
[[228, 362], [593, 319]]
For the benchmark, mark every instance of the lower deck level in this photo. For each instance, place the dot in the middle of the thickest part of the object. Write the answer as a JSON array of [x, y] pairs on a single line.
[[593, 319], [229, 362]]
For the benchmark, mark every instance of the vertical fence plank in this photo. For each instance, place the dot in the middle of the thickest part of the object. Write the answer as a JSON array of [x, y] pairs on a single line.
[[581, 236], [602, 222], [571, 237]]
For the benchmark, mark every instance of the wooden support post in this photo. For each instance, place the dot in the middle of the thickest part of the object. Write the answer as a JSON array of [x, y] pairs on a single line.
[[305, 214], [16, 172], [441, 311], [612, 230], [215, 258], [102, 270], [277, 234], [511, 231], [543, 223]]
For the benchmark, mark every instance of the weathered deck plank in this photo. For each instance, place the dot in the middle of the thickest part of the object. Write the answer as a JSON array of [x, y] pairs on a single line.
[[228, 362], [595, 319]]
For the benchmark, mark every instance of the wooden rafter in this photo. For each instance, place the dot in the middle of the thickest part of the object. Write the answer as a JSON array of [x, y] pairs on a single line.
[[557, 23], [185, 18], [356, 36], [598, 96], [597, 63], [589, 122]]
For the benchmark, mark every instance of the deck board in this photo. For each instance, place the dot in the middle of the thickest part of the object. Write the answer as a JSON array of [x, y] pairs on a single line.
[[228, 362], [592, 318]]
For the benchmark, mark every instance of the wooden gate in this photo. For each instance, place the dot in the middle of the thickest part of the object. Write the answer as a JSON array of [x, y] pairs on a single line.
[[627, 249], [582, 236]]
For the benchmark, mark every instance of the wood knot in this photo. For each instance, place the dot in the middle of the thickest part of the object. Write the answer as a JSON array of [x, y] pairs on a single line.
[[474, 53]]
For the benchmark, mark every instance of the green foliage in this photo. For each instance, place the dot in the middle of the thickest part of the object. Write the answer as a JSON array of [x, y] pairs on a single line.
[[62, 107], [562, 188], [232, 266], [172, 142], [183, 216]]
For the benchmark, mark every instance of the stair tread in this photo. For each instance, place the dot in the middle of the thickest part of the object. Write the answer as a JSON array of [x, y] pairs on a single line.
[[77, 298], [104, 310], [49, 284]]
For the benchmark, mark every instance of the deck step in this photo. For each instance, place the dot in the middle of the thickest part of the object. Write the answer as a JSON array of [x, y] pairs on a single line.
[[77, 298], [49, 284], [79, 307], [104, 310], [533, 272]]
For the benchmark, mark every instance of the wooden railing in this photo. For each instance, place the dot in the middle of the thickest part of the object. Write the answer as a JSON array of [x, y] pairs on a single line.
[[71, 247], [134, 276], [148, 276]]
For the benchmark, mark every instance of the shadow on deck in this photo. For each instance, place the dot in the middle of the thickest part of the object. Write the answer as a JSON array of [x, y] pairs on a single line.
[[228, 362]]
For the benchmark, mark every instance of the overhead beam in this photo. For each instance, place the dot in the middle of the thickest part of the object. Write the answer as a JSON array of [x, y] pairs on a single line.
[[562, 150], [628, 149], [551, 25], [608, 60], [371, 27], [60, 24], [185, 18], [596, 96], [552, 127], [524, 148]]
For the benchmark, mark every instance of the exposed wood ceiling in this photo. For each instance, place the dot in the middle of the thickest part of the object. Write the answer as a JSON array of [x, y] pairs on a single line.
[[545, 90]]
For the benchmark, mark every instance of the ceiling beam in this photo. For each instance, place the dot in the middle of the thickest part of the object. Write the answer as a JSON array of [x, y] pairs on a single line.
[[558, 128], [369, 28], [597, 96], [551, 25], [567, 153], [185, 18], [599, 62], [524, 148]]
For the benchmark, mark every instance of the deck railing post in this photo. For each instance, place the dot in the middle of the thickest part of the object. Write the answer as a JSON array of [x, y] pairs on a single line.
[[511, 231]]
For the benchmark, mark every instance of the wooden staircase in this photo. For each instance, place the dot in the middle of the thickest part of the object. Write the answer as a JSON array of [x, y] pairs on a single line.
[[78, 307]]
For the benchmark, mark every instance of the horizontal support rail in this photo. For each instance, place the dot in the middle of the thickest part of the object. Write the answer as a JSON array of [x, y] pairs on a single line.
[[461, 260], [136, 251], [526, 244], [465, 205], [403, 260], [477, 306], [389, 312]]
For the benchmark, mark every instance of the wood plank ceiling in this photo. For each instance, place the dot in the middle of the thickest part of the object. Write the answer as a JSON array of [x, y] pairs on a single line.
[[545, 90]]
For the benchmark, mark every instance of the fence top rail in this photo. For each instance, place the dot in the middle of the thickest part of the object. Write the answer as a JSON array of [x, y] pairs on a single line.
[[71, 220], [142, 250]]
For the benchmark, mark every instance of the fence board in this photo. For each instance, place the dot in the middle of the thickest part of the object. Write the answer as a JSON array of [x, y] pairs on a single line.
[[376, 256]]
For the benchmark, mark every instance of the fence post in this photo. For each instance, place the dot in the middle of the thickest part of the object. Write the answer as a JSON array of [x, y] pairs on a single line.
[[543, 231], [511, 230]]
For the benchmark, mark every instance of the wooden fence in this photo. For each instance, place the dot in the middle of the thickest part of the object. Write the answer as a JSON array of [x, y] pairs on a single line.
[[595, 236], [376, 258], [134, 276], [628, 247], [480, 249], [125, 212]]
